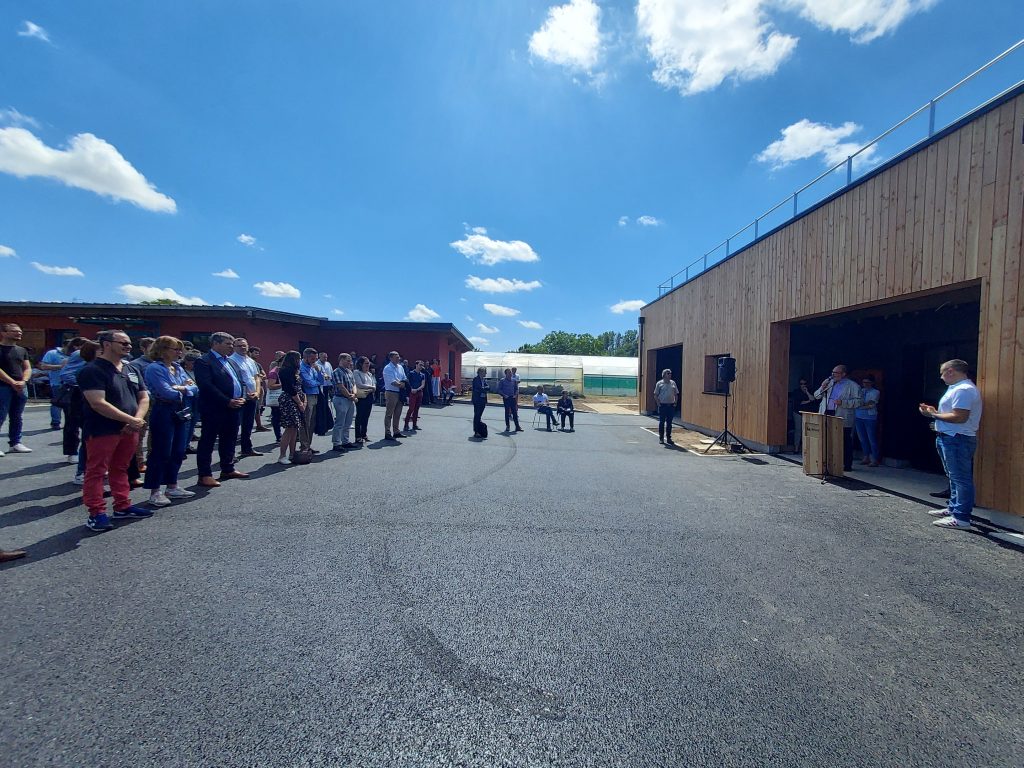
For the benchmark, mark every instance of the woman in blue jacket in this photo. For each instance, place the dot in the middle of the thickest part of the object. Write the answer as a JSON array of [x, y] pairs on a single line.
[[171, 391]]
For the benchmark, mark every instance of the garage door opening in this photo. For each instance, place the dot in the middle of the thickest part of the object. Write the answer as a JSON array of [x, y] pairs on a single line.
[[660, 359], [902, 345]]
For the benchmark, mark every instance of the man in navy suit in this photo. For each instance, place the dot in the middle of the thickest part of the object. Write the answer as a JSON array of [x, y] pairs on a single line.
[[221, 398]]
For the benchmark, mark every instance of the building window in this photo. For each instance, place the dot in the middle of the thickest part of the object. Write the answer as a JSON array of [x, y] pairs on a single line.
[[712, 386], [199, 339]]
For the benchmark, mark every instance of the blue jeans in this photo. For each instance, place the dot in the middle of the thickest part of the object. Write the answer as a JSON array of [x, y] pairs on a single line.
[[55, 414], [12, 404], [170, 439], [867, 434], [345, 411], [957, 454]]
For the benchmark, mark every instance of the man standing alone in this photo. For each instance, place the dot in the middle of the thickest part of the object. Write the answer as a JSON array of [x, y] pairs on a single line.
[[957, 419], [507, 390], [15, 372], [665, 394]]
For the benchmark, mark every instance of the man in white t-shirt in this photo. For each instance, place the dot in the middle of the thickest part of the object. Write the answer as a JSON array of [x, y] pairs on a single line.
[[957, 418], [665, 394]]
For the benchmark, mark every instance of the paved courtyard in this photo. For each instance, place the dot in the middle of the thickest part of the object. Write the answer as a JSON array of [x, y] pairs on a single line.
[[569, 599]]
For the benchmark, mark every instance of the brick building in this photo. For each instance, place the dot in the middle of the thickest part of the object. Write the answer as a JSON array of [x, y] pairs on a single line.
[[47, 324]]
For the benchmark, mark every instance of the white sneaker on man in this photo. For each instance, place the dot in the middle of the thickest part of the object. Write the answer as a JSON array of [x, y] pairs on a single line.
[[952, 522], [159, 500], [71, 459], [178, 493], [2, 454], [20, 448], [79, 479]]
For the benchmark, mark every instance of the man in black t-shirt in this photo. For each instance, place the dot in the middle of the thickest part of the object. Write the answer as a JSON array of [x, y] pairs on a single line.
[[116, 404], [15, 372]]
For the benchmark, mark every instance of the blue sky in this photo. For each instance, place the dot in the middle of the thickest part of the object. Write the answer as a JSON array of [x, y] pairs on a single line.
[[510, 166]]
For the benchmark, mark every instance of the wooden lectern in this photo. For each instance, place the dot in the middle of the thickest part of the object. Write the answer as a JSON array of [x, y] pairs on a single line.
[[823, 445]]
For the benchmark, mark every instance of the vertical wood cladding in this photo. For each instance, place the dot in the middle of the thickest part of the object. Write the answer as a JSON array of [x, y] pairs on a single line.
[[949, 214]]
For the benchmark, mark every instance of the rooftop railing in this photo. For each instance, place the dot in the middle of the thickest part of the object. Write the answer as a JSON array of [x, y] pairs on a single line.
[[857, 165]]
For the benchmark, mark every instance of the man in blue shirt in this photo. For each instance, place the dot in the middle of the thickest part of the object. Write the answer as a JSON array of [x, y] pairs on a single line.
[[507, 389], [251, 382], [395, 381], [52, 362], [312, 382]]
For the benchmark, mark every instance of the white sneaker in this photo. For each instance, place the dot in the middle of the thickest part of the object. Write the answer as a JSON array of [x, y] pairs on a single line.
[[939, 512], [159, 500], [284, 460], [178, 493], [2, 454], [79, 480], [72, 459], [952, 522], [20, 448]]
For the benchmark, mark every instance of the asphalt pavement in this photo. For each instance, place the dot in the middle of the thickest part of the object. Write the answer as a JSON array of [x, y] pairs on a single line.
[[567, 599]]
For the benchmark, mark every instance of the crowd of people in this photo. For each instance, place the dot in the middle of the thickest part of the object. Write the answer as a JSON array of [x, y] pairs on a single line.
[[130, 421]]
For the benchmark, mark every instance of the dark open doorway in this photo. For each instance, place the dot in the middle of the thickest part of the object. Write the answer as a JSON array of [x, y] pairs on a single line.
[[671, 358], [901, 344]]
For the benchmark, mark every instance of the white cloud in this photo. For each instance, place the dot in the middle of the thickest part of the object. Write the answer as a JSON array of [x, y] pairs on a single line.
[[229, 272], [33, 30], [328, 295], [245, 239], [479, 230], [531, 324], [421, 313], [479, 341], [11, 116], [570, 36], [7, 252], [470, 319], [88, 163], [649, 221], [697, 44], [500, 284], [337, 312], [151, 293], [227, 304], [58, 271], [500, 311], [483, 250], [277, 290], [623, 221], [864, 20], [631, 305], [484, 328], [804, 139]]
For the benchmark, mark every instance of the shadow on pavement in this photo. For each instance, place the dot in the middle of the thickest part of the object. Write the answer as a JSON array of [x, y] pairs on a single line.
[[61, 543], [35, 469], [37, 512]]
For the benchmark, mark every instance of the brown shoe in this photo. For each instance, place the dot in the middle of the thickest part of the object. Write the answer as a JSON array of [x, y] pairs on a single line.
[[207, 481], [233, 475], [13, 554]]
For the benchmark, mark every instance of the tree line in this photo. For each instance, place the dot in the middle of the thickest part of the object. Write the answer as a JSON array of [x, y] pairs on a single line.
[[609, 343]]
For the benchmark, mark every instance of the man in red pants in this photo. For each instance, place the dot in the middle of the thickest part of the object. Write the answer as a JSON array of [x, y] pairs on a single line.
[[417, 381], [116, 403]]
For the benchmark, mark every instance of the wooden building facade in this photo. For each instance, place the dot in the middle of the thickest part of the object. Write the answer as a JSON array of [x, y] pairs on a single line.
[[917, 262]]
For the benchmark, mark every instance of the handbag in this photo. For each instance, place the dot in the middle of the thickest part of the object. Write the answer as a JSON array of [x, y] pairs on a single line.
[[302, 457], [63, 397]]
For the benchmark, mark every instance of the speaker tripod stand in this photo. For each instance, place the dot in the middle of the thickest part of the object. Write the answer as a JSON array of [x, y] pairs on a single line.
[[727, 439]]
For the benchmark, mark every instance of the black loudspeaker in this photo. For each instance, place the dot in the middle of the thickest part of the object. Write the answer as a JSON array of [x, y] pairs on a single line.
[[726, 369]]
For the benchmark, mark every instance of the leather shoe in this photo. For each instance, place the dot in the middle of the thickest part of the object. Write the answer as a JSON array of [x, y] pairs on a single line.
[[13, 554], [207, 481], [233, 475], [941, 494]]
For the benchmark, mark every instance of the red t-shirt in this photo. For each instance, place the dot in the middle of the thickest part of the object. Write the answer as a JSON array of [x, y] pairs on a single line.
[[435, 370]]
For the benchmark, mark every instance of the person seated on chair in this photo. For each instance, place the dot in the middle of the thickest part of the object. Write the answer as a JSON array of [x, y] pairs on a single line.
[[447, 389], [541, 403], [565, 409]]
